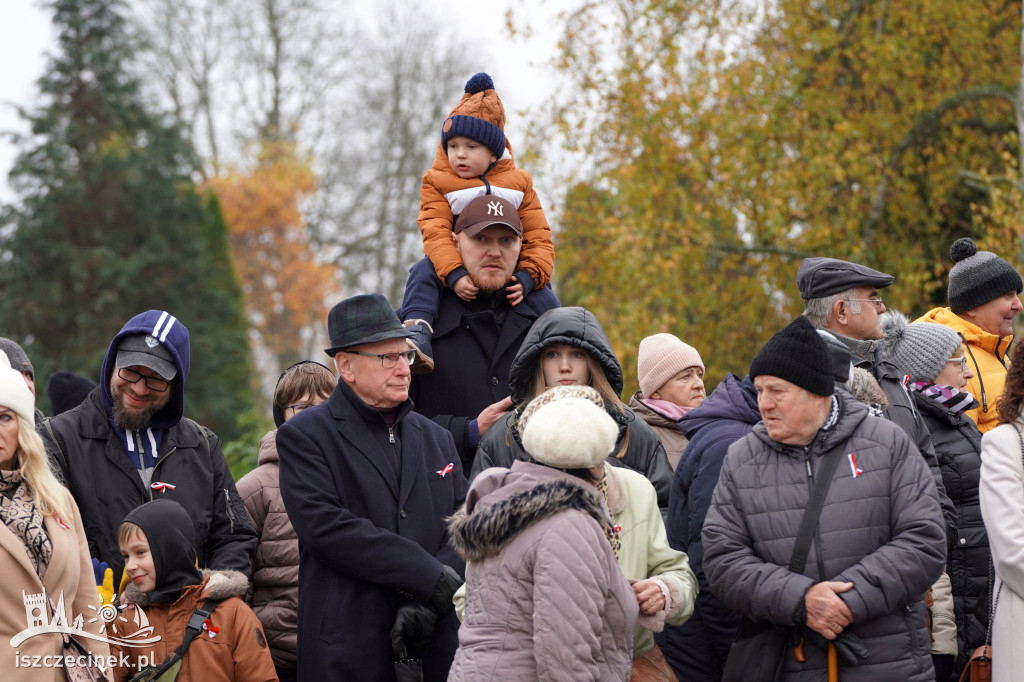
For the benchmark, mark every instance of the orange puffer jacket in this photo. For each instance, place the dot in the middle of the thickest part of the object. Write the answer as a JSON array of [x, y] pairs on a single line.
[[444, 195], [236, 651]]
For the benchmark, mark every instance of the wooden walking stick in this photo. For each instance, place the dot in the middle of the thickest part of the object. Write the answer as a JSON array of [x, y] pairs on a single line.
[[833, 663]]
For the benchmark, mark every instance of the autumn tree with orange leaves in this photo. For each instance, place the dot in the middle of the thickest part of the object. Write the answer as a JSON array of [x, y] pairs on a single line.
[[719, 144], [287, 286]]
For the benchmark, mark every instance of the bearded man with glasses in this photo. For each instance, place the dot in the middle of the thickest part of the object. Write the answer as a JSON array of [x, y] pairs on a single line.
[[368, 484], [129, 442]]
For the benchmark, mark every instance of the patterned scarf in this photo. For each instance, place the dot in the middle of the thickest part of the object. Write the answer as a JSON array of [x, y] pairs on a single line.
[[23, 519], [609, 530], [953, 399]]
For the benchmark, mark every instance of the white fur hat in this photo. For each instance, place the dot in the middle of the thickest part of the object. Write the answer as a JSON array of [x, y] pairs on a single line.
[[14, 391], [566, 427]]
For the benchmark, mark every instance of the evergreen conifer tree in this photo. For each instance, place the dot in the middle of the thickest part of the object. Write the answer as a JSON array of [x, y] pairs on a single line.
[[108, 223]]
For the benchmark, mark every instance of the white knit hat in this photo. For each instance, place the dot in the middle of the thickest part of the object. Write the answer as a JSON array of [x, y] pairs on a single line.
[[566, 427], [659, 358], [14, 391]]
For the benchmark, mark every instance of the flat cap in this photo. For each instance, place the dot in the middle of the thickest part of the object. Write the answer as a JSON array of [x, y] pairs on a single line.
[[820, 277]]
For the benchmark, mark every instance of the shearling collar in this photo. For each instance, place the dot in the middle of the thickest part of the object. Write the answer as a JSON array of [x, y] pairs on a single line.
[[486, 531], [215, 585]]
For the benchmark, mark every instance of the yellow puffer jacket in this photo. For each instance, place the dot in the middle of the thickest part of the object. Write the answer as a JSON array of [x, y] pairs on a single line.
[[987, 358]]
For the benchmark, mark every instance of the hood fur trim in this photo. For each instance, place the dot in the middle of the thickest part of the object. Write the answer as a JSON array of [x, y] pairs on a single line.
[[218, 585], [486, 531]]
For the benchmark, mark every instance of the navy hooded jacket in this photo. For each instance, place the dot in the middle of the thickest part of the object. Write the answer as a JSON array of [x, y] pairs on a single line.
[[90, 455], [696, 650]]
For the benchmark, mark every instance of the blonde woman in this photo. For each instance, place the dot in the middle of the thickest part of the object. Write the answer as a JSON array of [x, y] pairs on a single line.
[[42, 541]]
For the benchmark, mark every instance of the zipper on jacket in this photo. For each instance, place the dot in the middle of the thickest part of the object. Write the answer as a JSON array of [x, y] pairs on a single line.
[[394, 451], [977, 370], [227, 503]]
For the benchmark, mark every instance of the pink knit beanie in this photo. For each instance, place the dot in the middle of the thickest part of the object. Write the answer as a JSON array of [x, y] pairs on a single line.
[[660, 357]]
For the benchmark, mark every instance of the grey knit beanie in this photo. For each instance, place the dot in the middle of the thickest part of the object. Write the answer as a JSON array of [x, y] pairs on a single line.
[[920, 349], [978, 277], [17, 356]]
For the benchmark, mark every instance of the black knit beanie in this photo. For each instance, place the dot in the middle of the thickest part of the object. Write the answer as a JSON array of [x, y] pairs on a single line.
[[977, 277], [797, 354]]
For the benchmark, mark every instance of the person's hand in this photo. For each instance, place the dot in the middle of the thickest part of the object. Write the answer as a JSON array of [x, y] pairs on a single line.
[[649, 596], [444, 589], [827, 614], [465, 289], [515, 292], [104, 581], [491, 414], [413, 628]]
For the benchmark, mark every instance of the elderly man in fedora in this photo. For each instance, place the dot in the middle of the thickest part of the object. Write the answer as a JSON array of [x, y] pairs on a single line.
[[368, 484]]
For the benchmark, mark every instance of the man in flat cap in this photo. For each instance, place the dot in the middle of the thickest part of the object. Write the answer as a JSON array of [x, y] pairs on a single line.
[[474, 342], [842, 298], [368, 484], [129, 442], [984, 298]]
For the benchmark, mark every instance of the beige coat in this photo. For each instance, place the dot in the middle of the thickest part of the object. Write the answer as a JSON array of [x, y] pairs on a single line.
[[668, 431], [1002, 507], [69, 573]]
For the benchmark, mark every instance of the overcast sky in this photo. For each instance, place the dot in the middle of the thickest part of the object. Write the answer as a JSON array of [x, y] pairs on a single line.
[[26, 35]]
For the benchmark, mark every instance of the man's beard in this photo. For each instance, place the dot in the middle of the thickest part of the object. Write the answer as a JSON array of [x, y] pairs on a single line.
[[132, 421]]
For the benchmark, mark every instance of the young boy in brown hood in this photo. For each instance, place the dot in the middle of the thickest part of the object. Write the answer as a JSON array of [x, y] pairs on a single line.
[[158, 547]]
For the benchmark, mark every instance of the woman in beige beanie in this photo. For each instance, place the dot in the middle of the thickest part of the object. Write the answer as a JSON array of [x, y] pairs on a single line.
[[671, 376]]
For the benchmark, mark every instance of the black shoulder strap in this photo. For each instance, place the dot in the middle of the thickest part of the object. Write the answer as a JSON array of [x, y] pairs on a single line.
[[194, 627], [809, 522]]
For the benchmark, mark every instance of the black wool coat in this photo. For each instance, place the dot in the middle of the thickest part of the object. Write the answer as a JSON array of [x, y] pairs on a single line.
[[368, 503]]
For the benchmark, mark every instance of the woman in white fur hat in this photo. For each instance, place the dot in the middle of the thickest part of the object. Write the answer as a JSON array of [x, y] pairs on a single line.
[[562, 435], [42, 541]]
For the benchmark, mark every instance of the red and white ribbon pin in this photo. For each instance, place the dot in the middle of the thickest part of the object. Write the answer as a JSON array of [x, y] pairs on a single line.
[[211, 629], [854, 469], [161, 486], [61, 523], [447, 469]]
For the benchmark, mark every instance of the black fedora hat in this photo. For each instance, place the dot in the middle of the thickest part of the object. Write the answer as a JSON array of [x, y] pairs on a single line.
[[366, 318]]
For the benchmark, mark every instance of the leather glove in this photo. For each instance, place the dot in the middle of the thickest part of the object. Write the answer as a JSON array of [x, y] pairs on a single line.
[[444, 589], [104, 581], [413, 628]]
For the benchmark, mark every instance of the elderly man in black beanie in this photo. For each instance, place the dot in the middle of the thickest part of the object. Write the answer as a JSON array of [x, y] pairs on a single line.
[[876, 546], [368, 484]]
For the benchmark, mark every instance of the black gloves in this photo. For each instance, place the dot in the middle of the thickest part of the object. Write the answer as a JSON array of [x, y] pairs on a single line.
[[445, 588], [414, 625]]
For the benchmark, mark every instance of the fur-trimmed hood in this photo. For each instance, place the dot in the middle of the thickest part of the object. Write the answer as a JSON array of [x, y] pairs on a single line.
[[215, 585], [486, 531]]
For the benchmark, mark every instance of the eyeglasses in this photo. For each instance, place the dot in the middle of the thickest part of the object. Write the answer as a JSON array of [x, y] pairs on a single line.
[[962, 360], [298, 407], [152, 383], [876, 302], [388, 360]]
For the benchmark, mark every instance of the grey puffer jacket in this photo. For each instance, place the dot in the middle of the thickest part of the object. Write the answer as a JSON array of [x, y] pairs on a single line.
[[881, 528], [545, 599], [275, 582], [577, 327]]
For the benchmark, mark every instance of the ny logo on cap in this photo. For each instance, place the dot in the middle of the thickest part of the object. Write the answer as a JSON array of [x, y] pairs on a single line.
[[495, 208]]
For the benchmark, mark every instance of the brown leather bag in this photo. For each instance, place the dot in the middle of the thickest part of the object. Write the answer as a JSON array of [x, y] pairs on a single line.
[[979, 666], [652, 667]]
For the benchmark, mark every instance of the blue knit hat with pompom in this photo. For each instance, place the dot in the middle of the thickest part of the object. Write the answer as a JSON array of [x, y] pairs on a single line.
[[479, 115]]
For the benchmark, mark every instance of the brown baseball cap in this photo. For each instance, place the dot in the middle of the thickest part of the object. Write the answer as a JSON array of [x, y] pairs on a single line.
[[485, 211]]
